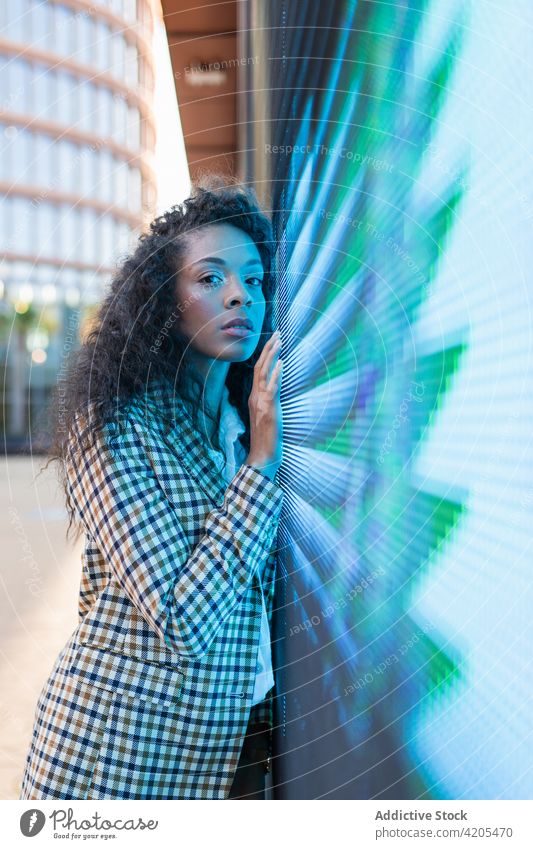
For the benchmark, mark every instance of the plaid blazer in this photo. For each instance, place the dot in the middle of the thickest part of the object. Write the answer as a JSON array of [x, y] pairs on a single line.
[[151, 695]]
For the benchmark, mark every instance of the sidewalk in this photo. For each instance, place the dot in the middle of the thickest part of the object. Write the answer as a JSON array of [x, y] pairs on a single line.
[[39, 584]]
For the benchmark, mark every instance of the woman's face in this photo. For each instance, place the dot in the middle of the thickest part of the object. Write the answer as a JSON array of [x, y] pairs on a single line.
[[220, 279]]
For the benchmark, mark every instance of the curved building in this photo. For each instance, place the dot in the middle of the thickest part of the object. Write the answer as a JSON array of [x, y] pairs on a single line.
[[77, 139]]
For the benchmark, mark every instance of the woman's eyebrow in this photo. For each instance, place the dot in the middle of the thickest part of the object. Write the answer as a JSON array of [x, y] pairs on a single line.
[[218, 261]]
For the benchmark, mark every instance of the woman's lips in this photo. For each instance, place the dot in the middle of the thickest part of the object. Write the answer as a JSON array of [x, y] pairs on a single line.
[[237, 331]]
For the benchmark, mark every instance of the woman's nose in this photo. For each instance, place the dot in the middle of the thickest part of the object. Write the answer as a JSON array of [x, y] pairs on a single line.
[[238, 293]]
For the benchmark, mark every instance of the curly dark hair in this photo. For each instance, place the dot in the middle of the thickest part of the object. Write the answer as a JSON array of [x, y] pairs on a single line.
[[125, 355]]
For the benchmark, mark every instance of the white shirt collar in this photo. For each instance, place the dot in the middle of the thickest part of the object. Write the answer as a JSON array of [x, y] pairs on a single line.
[[231, 426]]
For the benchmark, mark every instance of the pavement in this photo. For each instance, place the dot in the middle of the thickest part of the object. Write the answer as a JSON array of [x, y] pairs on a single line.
[[39, 585]]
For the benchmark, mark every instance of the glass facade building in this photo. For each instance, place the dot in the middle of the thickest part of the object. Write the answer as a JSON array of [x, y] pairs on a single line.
[[77, 140]]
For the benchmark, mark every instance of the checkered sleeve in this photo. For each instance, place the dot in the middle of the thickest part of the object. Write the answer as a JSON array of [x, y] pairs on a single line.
[[184, 594]]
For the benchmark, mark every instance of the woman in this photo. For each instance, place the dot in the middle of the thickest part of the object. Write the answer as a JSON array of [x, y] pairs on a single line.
[[164, 690]]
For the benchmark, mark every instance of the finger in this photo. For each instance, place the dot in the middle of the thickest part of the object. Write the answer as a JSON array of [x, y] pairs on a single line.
[[268, 344], [265, 369], [268, 368], [275, 380], [266, 349]]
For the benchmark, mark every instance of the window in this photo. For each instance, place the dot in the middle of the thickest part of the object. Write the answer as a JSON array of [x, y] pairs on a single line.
[[6, 224], [22, 225], [109, 112], [86, 172], [67, 166], [98, 217], [68, 232], [120, 123], [7, 153], [5, 168], [70, 287], [87, 103], [115, 6], [88, 242], [119, 56], [121, 183], [16, 20], [130, 10], [134, 134], [45, 236], [89, 287], [125, 235], [104, 112], [43, 161], [85, 38], [66, 97], [19, 154], [98, 188], [132, 66], [135, 189], [18, 81], [103, 43], [107, 244], [41, 24], [43, 89], [64, 31], [106, 176]]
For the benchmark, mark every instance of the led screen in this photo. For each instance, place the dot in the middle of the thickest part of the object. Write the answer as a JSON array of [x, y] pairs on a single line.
[[394, 140]]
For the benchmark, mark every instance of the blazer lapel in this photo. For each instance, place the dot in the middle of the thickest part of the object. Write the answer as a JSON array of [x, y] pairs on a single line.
[[189, 445]]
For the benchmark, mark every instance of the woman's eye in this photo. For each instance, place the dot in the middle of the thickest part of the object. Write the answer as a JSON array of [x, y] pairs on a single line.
[[213, 279]]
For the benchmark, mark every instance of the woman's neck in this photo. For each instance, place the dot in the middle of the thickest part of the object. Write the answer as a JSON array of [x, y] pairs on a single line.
[[212, 375]]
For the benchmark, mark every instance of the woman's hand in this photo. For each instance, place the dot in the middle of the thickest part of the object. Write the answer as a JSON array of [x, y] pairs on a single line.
[[266, 425]]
